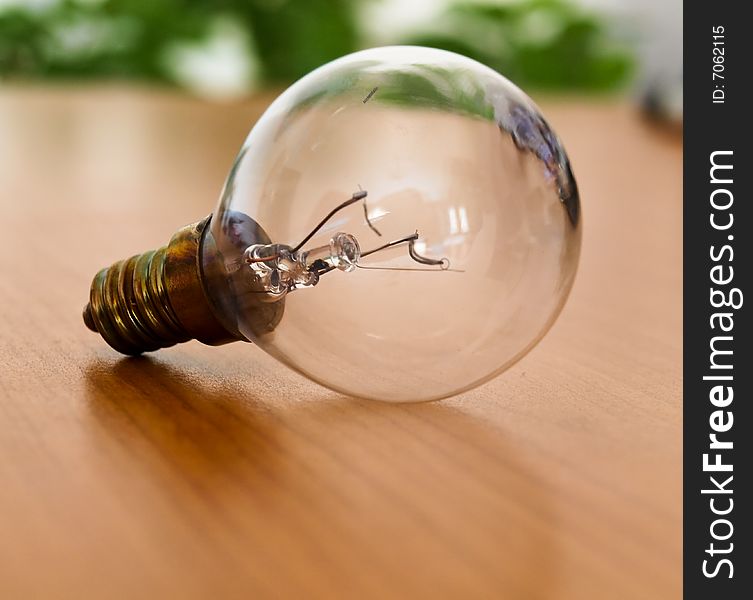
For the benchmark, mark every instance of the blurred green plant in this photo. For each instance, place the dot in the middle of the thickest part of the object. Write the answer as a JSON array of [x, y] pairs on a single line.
[[538, 43], [130, 38], [535, 43]]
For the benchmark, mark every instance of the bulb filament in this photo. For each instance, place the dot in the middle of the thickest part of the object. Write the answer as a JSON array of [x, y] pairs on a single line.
[[280, 268]]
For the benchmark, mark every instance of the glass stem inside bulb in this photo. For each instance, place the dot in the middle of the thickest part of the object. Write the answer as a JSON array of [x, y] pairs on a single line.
[[342, 252], [279, 268]]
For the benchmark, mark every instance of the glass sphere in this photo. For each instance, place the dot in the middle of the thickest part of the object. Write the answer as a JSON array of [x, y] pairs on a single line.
[[401, 224]]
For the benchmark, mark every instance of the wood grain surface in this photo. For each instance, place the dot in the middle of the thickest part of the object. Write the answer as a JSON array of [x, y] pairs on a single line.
[[205, 472]]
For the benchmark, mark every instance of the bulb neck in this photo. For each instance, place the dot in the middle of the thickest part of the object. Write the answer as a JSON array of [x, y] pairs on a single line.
[[157, 299]]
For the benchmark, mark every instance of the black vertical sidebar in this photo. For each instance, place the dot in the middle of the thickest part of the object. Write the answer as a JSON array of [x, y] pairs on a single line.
[[718, 300]]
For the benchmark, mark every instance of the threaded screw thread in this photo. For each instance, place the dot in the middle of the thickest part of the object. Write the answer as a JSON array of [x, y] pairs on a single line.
[[130, 308]]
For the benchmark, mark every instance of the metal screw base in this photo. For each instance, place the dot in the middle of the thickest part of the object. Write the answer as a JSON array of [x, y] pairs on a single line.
[[129, 306], [156, 299]]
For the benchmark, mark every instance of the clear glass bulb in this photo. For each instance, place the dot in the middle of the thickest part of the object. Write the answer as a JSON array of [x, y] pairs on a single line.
[[401, 224]]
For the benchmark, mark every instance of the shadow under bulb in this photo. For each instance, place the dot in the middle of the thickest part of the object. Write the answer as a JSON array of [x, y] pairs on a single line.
[[401, 224]]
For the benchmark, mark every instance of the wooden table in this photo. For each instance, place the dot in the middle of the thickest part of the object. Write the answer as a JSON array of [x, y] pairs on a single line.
[[214, 473]]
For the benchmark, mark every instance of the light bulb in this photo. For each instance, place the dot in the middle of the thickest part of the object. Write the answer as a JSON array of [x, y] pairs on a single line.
[[401, 224]]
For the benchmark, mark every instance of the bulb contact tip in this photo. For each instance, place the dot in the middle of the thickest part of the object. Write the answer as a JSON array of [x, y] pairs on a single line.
[[89, 319]]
